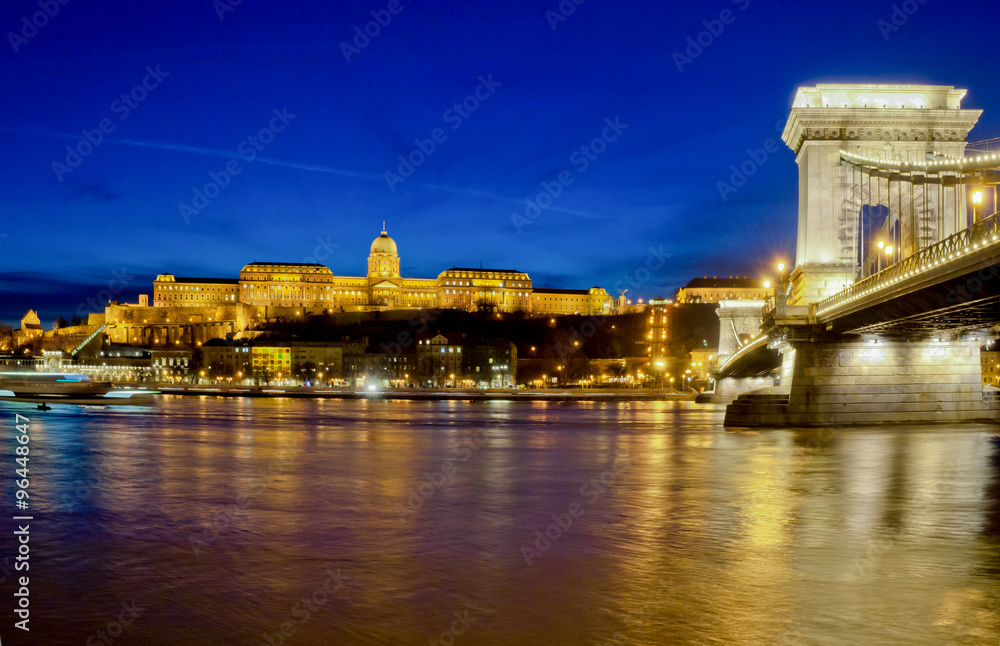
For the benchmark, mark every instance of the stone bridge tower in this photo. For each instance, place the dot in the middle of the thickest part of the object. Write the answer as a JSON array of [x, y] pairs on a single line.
[[906, 122], [739, 322]]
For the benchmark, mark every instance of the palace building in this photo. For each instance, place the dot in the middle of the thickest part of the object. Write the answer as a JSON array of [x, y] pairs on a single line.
[[713, 290], [313, 288]]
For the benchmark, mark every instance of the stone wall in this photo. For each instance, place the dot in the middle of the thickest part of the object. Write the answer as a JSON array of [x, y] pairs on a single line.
[[855, 382], [729, 388]]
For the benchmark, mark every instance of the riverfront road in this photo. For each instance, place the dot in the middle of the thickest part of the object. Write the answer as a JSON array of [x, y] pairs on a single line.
[[204, 521], [464, 394]]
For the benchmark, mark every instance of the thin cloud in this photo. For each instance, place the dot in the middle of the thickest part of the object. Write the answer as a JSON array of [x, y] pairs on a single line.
[[229, 154]]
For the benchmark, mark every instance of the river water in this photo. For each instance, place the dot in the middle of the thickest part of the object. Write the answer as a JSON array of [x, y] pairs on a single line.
[[225, 522]]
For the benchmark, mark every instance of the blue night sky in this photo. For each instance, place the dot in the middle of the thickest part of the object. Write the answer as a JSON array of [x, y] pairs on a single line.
[[66, 232]]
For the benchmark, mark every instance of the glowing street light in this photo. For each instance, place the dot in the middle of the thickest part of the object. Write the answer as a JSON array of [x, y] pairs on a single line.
[[781, 276], [878, 256], [977, 199]]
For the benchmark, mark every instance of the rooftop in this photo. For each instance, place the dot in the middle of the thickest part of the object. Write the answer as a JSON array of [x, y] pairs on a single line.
[[561, 291], [294, 267], [222, 281], [485, 270], [733, 282]]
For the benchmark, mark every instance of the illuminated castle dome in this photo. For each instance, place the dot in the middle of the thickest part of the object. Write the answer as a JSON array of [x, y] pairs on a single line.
[[384, 259], [384, 244]]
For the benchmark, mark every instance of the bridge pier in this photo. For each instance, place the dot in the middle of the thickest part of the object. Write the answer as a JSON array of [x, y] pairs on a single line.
[[728, 389], [851, 381]]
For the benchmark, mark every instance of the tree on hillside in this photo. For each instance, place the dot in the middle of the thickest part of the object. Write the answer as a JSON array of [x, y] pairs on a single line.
[[305, 371], [6, 337]]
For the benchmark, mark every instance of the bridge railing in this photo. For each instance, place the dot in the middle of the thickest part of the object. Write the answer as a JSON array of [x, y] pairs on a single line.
[[983, 233]]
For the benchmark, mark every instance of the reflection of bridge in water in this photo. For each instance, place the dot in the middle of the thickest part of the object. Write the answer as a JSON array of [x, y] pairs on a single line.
[[897, 277]]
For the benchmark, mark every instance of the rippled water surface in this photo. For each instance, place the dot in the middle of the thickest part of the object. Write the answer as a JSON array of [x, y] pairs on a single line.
[[393, 522]]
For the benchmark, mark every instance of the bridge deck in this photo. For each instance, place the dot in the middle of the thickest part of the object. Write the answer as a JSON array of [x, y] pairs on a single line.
[[953, 284]]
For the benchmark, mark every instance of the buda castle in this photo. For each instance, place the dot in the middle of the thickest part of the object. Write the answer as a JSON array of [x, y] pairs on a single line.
[[310, 288]]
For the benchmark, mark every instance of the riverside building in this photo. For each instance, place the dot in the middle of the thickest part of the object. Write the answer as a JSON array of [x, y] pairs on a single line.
[[310, 288]]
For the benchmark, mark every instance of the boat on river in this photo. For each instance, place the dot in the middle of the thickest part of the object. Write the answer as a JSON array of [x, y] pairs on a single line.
[[66, 388]]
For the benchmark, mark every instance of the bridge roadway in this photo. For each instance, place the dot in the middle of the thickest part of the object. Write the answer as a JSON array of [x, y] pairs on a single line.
[[925, 315], [889, 162], [952, 285]]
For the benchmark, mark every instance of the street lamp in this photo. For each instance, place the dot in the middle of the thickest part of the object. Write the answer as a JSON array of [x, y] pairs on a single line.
[[977, 199]]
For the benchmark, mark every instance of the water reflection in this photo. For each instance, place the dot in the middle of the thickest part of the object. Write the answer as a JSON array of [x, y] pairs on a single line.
[[220, 516]]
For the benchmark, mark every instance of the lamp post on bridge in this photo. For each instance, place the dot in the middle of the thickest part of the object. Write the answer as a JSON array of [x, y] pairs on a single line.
[[780, 293], [977, 199], [887, 249]]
